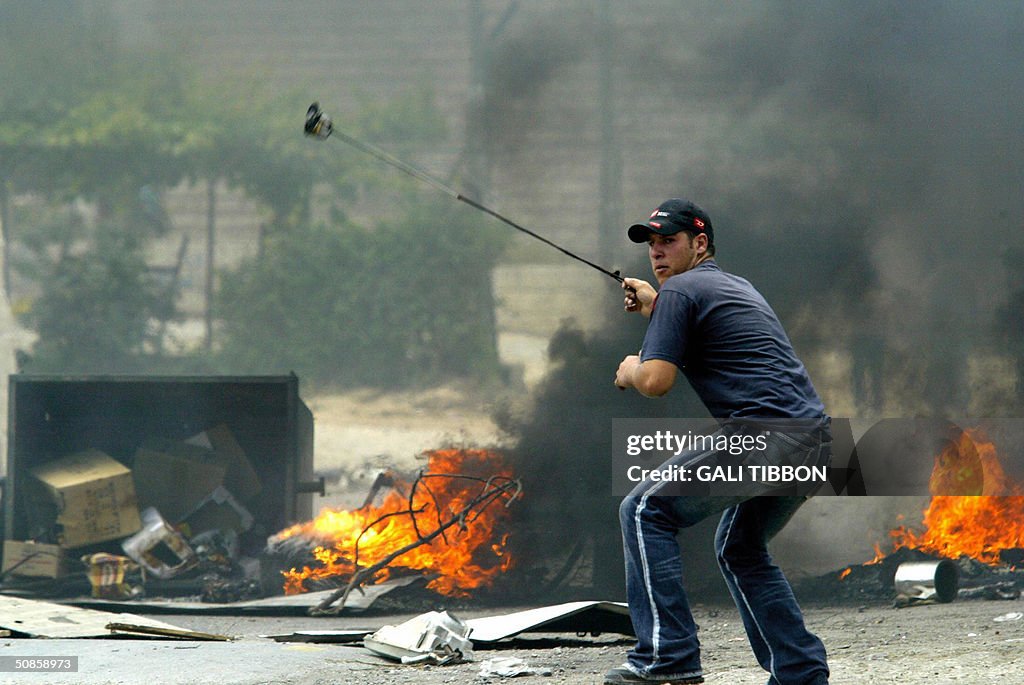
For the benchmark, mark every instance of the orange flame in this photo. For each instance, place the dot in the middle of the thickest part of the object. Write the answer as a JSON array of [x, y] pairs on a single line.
[[987, 514], [471, 557], [879, 556]]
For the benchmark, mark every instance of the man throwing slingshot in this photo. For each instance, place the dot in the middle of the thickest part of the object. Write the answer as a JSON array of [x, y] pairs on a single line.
[[725, 338]]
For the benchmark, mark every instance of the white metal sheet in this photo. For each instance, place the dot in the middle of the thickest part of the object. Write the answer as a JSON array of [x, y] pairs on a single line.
[[45, 619]]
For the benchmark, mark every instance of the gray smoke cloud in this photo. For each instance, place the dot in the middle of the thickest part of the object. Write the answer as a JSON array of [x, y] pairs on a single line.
[[862, 161], [873, 157], [897, 194], [863, 165]]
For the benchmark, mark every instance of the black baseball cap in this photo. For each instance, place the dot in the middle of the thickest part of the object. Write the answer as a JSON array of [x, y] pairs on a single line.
[[671, 217]]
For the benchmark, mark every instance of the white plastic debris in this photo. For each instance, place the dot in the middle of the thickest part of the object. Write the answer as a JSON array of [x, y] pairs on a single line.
[[434, 637], [1012, 616], [157, 534], [509, 667]]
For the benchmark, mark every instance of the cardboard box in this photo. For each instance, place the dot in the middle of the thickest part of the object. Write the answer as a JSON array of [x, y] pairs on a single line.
[[241, 478], [33, 559], [54, 415], [174, 478], [219, 511], [94, 496]]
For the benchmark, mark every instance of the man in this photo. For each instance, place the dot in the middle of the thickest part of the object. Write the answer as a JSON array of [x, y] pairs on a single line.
[[725, 338]]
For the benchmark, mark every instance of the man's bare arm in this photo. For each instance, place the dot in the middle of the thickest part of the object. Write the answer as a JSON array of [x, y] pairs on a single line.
[[652, 378]]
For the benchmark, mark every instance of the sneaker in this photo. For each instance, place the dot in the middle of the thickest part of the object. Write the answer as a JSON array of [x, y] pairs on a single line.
[[624, 675]]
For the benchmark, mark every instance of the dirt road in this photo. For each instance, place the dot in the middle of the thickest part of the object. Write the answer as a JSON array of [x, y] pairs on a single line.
[[924, 645], [952, 643]]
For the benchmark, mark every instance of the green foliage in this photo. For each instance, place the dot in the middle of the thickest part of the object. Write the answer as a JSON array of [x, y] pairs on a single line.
[[95, 313], [253, 140], [405, 302]]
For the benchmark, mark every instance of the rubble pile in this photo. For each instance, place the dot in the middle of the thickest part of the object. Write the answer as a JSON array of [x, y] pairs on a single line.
[[173, 523], [875, 582]]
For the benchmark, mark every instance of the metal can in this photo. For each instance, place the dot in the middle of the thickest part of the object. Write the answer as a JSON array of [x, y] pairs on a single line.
[[921, 580]]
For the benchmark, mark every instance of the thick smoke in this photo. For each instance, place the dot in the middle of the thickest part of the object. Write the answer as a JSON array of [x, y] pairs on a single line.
[[569, 515], [520, 66], [862, 162], [910, 112], [863, 165]]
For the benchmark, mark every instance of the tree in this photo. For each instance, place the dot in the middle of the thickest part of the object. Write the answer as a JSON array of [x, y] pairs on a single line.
[[403, 302], [96, 316], [131, 124]]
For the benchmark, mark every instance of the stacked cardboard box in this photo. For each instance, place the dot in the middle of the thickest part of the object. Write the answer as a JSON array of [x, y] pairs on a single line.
[[33, 559], [94, 496]]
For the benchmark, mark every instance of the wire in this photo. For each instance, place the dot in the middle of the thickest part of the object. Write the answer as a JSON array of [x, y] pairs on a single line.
[[370, 149]]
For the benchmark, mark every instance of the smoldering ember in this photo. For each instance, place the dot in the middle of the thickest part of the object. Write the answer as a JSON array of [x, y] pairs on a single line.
[[328, 394]]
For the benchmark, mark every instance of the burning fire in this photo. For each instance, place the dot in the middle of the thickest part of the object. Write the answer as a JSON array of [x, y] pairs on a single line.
[[465, 557], [987, 514]]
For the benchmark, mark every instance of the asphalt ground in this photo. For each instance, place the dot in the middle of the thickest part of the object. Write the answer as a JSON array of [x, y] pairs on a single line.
[[961, 642]]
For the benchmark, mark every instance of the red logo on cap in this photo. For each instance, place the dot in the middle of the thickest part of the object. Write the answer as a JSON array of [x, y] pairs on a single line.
[[698, 223], [655, 224]]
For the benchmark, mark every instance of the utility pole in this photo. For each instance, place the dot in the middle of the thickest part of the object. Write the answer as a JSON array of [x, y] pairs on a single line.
[[610, 202], [211, 232], [477, 163], [608, 559], [5, 235]]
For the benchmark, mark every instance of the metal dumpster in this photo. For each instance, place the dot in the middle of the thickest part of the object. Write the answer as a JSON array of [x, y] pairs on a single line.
[[51, 416]]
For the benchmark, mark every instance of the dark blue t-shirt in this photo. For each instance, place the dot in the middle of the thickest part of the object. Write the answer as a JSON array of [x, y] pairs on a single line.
[[729, 343]]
